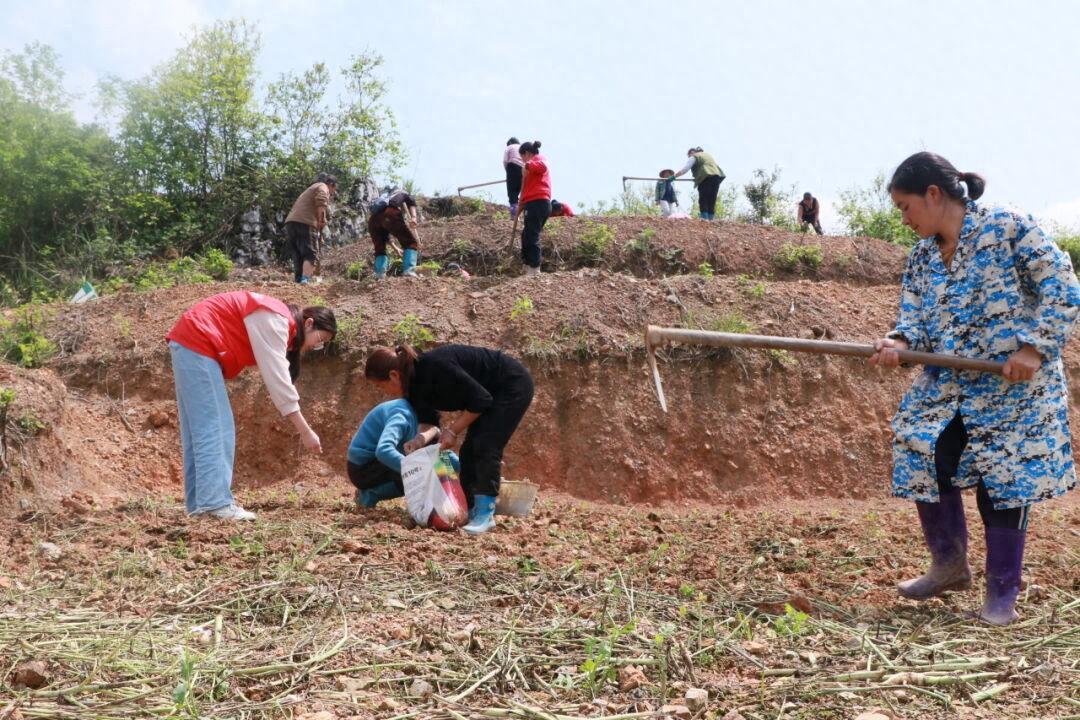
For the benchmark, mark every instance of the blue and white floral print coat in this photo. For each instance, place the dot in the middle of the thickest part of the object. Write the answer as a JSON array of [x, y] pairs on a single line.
[[1008, 285]]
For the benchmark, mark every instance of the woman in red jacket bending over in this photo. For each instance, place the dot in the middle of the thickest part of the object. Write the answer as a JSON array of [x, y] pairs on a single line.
[[211, 343]]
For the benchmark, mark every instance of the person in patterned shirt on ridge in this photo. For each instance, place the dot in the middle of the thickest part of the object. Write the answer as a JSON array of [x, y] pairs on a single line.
[[984, 282]]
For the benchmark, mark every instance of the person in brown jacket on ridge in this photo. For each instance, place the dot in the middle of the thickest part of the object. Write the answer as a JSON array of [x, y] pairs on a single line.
[[306, 220]]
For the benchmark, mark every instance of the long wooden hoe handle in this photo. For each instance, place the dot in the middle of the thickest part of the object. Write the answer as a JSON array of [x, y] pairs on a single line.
[[656, 336]]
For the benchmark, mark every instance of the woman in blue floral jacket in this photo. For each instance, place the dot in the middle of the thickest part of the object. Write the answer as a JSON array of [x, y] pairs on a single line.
[[983, 283]]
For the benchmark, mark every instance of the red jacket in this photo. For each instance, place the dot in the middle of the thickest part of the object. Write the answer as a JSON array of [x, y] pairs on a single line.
[[537, 181], [215, 328], [564, 210]]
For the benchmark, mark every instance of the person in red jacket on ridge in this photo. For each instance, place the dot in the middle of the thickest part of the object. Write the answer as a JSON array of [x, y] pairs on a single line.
[[535, 202], [213, 342], [559, 209]]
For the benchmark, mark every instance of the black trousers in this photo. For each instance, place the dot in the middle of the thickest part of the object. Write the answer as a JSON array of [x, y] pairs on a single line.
[[298, 236], [372, 474], [487, 437], [950, 445], [707, 192], [513, 182], [536, 216]]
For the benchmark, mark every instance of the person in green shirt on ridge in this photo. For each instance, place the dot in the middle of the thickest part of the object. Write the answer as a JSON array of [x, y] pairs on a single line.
[[707, 178]]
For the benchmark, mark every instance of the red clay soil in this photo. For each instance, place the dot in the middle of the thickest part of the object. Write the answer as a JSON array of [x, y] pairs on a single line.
[[744, 428], [647, 247]]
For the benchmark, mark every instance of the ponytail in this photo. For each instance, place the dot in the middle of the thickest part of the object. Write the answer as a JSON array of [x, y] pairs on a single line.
[[975, 184], [382, 360], [533, 146]]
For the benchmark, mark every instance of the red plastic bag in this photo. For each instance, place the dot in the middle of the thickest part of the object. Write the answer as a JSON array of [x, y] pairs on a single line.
[[433, 493]]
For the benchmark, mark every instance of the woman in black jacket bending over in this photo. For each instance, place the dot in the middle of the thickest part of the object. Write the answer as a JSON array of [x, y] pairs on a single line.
[[492, 390]]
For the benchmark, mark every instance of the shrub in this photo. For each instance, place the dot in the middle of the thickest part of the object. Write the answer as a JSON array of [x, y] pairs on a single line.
[[22, 339], [790, 256], [523, 307], [348, 330], [460, 249], [870, 212], [594, 241], [1070, 243], [750, 288], [643, 243], [355, 270], [216, 264], [732, 322], [410, 331], [705, 270]]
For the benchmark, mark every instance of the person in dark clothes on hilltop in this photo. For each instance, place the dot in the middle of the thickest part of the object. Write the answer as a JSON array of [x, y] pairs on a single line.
[[394, 214], [492, 390], [513, 165], [810, 213]]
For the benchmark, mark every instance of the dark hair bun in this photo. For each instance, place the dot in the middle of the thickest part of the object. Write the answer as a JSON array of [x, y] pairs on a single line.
[[976, 185], [537, 144]]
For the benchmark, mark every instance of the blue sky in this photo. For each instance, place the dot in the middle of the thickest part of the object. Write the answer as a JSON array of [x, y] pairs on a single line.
[[831, 91]]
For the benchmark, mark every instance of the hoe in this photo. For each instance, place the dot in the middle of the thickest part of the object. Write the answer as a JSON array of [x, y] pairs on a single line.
[[657, 336]]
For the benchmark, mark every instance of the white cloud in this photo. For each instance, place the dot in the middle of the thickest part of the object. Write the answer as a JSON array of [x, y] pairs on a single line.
[[1064, 213]]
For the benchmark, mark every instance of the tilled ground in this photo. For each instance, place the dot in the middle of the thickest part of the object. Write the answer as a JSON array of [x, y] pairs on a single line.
[[581, 610], [765, 487]]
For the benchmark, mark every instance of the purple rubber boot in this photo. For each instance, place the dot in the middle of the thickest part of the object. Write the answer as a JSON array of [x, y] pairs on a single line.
[[1004, 562], [513, 210], [945, 531]]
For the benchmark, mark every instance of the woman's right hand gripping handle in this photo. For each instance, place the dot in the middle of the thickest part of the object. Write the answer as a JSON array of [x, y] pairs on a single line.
[[886, 354]]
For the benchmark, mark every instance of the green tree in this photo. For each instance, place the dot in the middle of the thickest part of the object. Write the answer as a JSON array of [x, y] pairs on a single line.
[[53, 176], [870, 212], [361, 138], [296, 110], [770, 204]]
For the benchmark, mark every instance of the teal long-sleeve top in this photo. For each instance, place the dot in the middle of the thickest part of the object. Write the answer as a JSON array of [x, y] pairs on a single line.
[[383, 434]]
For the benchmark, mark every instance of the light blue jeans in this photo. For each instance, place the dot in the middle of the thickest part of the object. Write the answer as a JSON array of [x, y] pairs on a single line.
[[207, 432]]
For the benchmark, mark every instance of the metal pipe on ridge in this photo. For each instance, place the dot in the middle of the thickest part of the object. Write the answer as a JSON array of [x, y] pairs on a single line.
[[656, 336], [483, 184]]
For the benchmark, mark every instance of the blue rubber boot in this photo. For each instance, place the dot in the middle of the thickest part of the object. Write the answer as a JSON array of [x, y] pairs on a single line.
[[372, 496], [408, 262], [304, 280], [381, 263], [482, 515], [513, 210]]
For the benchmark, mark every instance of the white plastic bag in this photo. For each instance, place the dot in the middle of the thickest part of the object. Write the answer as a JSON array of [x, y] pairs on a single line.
[[433, 493]]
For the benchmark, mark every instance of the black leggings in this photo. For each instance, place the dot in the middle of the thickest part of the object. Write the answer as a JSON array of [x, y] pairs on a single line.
[[373, 474], [513, 182], [536, 216], [487, 437], [950, 445], [707, 192]]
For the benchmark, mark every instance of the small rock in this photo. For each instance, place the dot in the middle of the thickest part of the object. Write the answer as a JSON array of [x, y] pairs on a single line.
[[420, 689], [321, 715], [733, 715], [676, 711], [5, 583], [50, 551], [631, 677], [30, 675], [818, 330], [351, 685], [755, 648], [696, 699], [351, 546], [389, 703], [874, 714], [158, 418]]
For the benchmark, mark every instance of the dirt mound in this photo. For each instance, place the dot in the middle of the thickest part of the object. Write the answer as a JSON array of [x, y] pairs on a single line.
[[744, 426], [648, 247]]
